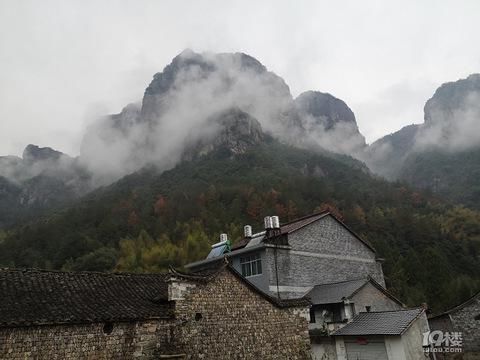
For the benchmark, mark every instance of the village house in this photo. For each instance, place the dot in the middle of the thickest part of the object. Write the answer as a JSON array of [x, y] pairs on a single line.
[[464, 320], [87, 315], [288, 260], [318, 257], [307, 289], [382, 335]]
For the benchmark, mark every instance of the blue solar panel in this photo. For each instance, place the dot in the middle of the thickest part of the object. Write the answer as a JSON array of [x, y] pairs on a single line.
[[217, 250]]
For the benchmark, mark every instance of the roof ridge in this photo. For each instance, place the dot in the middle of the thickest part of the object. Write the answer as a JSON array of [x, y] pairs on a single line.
[[83, 272], [391, 311], [306, 217], [343, 281]]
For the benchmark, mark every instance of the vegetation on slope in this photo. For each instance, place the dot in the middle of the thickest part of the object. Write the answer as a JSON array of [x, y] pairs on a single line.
[[148, 220]]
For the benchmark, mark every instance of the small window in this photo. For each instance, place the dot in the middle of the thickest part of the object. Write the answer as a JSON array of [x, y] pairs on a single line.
[[312, 315], [368, 308], [251, 265], [198, 316], [108, 328], [477, 317]]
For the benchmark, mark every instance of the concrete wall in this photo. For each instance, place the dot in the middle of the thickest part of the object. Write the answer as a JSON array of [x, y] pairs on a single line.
[[323, 348], [261, 281], [371, 296], [320, 253], [394, 346], [87, 341], [413, 339], [224, 319]]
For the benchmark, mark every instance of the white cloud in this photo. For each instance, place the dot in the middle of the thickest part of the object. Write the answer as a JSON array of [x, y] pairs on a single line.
[[59, 58]]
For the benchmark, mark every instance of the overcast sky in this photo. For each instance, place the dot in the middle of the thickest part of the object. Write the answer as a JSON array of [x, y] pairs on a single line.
[[63, 62]]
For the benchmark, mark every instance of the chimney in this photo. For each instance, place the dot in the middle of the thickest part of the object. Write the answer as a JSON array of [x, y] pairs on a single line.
[[247, 231], [267, 221], [275, 222], [272, 225], [223, 237]]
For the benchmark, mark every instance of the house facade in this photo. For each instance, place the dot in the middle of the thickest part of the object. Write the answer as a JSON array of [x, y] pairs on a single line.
[[216, 315], [318, 257], [393, 335], [287, 260]]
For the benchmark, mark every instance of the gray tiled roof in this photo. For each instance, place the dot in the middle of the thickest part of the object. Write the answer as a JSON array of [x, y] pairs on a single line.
[[37, 297], [380, 323], [335, 292]]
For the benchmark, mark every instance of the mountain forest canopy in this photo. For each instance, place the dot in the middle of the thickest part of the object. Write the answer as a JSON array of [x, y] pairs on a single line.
[[219, 142]]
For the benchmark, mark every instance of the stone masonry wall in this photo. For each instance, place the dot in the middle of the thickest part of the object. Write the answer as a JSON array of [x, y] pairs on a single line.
[[464, 321], [224, 319], [87, 341]]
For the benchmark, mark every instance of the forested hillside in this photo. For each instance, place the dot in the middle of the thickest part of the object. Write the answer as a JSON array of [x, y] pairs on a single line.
[[149, 220]]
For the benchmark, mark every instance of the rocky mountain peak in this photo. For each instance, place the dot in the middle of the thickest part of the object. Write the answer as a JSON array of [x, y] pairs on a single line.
[[451, 98], [34, 153], [218, 74], [233, 130], [326, 109]]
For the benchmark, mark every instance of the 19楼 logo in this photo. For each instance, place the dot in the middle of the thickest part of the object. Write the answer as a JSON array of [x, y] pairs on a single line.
[[442, 342]]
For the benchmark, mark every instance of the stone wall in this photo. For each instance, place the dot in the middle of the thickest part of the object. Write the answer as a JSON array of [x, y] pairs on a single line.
[[85, 341], [464, 321], [225, 319]]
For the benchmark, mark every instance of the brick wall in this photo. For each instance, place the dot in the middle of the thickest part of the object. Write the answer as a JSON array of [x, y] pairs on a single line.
[[88, 341], [320, 253], [224, 319]]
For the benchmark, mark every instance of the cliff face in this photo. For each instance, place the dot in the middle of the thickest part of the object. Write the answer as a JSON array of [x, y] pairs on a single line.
[[329, 122], [180, 101], [233, 131], [42, 179], [442, 154]]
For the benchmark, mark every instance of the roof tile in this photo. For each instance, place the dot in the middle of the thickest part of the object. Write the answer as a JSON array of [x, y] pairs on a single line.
[[380, 323], [38, 297]]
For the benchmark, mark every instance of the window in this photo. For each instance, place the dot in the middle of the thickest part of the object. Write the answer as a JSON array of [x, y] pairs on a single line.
[[108, 328], [251, 265], [312, 315]]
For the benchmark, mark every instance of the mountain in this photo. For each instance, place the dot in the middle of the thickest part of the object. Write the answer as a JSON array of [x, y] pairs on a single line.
[[329, 122], [41, 180], [182, 98], [218, 142], [441, 155], [387, 155], [152, 218], [177, 112]]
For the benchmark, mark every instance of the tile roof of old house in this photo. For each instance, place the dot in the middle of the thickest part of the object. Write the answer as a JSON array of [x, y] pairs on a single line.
[[38, 297], [380, 323], [336, 292]]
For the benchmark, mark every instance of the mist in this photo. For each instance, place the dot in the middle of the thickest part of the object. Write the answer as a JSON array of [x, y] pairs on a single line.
[[179, 102], [57, 66]]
